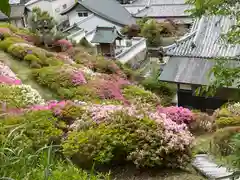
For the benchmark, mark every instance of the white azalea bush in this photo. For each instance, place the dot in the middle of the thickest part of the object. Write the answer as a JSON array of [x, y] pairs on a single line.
[[18, 96], [30, 96], [235, 108]]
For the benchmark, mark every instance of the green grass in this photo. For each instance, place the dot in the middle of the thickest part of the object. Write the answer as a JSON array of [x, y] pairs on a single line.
[[23, 71], [203, 143]]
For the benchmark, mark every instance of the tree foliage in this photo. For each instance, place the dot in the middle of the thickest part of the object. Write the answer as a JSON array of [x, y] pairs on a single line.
[[225, 76], [43, 24], [151, 30], [5, 7]]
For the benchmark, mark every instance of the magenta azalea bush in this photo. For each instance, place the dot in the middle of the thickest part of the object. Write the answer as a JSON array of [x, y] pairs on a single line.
[[177, 114]]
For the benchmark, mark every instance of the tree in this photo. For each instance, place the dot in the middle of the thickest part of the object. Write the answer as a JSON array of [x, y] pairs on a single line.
[[44, 25], [224, 76], [5, 7], [152, 32]]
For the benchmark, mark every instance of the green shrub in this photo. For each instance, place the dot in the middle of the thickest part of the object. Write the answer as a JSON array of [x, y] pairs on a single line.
[[66, 171], [71, 112], [162, 89], [53, 61], [228, 121], [37, 126], [17, 51], [32, 58], [224, 112], [52, 78], [137, 94], [35, 65], [221, 140], [235, 156], [7, 42], [124, 138]]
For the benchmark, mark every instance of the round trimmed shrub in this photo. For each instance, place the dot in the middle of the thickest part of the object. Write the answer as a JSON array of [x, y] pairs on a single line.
[[17, 51], [7, 42], [228, 121], [31, 58], [137, 94]]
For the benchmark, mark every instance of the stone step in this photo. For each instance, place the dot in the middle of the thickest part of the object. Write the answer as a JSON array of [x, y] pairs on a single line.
[[210, 169]]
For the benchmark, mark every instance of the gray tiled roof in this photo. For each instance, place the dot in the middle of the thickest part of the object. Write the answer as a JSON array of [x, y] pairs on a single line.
[[134, 9], [158, 8], [111, 10], [17, 11], [18, 1], [3, 17], [205, 40], [167, 1], [106, 35], [165, 10], [14, 1], [72, 29], [90, 23], [190, 70]]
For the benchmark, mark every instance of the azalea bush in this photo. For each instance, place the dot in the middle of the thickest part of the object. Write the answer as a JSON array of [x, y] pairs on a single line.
[[36, 57], [56, 77], [234, 108], [123, 136], [202, 123], [19, 96], [7, 76], [177, 114]]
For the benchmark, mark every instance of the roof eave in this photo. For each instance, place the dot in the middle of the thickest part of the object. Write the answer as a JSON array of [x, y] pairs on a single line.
[[70, 9]]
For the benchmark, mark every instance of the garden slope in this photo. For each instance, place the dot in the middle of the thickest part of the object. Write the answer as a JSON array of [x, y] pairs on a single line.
[[25, 74]]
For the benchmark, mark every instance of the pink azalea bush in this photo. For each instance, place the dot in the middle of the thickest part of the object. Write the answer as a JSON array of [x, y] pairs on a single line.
[[177, 114], [78, 77], [7, 76], [167, 145]]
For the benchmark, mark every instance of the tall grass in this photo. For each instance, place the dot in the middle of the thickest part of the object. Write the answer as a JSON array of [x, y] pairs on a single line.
[[20, 162]]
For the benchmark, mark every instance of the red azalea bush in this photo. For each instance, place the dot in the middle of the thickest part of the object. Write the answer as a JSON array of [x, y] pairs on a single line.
[[177, 114], [64, 44]]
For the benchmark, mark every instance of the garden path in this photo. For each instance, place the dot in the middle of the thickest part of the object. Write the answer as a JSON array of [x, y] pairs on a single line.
[[22, 70], [210, 169]]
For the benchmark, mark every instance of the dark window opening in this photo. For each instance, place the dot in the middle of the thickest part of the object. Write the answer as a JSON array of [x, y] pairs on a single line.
[[64, 6], [82, 14]]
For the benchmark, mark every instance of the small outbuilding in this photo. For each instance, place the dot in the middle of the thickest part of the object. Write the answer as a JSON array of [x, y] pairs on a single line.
[[105, 38]]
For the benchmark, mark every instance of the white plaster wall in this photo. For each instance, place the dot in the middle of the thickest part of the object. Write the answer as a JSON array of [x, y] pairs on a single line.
[[44, 6], [58, 4], [74, 18], [93, 21], [51, 7], [19, 23]]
